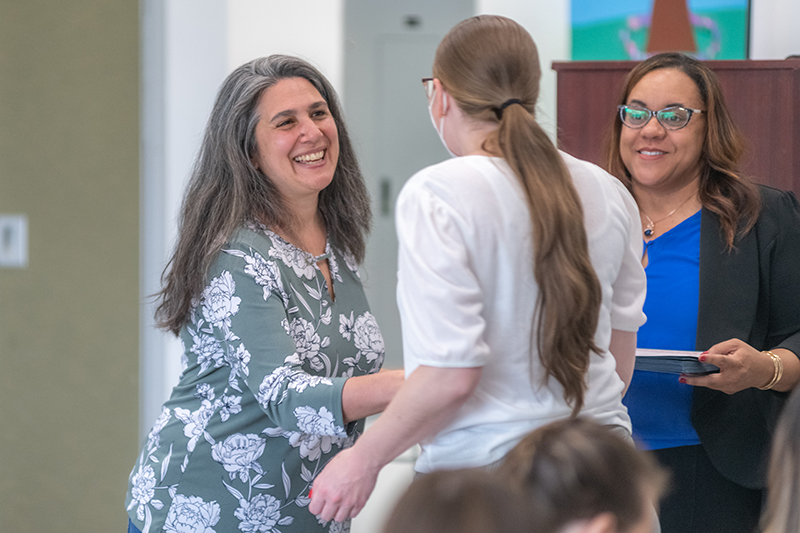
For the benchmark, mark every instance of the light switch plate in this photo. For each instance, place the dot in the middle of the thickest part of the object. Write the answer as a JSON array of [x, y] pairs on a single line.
[[13, 241]]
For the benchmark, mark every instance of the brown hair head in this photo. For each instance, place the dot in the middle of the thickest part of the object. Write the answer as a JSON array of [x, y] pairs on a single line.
[[460, 501], [723, 190], [483, 62], [576, 469]]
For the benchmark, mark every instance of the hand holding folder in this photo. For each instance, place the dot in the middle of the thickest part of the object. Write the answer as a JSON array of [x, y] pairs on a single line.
[[672, 362]]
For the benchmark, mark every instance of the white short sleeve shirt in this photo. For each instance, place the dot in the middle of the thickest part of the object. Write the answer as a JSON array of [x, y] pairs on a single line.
[[467, 295]]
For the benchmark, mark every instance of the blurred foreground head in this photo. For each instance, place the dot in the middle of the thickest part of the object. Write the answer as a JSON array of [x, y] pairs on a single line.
[[579, 476], [460, 501]]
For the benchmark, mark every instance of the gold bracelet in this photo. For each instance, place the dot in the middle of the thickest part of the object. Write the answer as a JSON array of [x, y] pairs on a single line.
[[777, 363]]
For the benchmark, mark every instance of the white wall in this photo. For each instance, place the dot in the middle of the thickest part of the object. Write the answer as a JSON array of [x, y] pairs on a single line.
[[183, 61], [774, 28], [548, 22], [311, 29]]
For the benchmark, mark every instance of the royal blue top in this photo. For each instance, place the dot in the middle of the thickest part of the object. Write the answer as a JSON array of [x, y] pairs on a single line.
[[660, 406]]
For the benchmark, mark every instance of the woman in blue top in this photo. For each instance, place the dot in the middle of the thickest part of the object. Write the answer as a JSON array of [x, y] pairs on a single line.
[[721, 261]]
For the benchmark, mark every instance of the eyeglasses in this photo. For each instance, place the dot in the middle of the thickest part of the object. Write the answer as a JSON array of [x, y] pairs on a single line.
[[672, 118], [428, 84]]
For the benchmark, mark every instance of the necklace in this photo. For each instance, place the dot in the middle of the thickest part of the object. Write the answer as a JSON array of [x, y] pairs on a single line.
[[649, 229]]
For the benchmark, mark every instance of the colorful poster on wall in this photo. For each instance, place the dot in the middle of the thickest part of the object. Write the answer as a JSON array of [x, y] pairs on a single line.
[[636, 29]]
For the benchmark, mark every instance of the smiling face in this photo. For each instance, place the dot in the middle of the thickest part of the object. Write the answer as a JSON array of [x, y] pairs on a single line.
[[297, 143], [658, 158]]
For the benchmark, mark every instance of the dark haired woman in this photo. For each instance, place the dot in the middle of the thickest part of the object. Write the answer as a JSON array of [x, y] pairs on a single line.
[[721, 259], [518, 272], [281, 353]]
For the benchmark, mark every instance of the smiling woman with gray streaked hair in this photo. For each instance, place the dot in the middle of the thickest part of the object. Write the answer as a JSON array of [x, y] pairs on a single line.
[[281, 353]]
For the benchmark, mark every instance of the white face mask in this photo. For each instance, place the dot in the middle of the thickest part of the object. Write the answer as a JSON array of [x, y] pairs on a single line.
[[440, 129]]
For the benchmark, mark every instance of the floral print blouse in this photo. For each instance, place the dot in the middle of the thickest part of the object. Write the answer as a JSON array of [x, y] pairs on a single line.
[[257, 411]]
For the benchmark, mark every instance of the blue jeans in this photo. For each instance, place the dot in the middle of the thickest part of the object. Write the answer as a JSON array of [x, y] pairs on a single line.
[[132, 528]]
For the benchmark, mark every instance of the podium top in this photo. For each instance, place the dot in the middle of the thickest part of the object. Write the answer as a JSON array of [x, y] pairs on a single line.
[[792, 63]]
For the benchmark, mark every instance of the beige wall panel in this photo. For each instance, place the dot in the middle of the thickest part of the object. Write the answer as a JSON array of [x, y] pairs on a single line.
[[69, 156]]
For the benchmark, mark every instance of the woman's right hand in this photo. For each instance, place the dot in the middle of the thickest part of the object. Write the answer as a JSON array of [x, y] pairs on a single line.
[[741, 366]]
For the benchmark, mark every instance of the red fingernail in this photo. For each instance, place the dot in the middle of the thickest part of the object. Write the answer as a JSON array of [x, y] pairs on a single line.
[[310, 491], [705, 352], [702, 358], [682, 380]]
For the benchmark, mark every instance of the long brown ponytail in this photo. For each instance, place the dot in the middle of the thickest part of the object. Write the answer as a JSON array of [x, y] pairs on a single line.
[[487, 61]]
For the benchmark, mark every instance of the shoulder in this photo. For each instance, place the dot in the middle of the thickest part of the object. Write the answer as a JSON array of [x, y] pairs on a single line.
[[780, 211], [248, 241], [585, 173], [252, 236], [778, 222], [467, 185], [454, 176], [598, 189], [777, 199]]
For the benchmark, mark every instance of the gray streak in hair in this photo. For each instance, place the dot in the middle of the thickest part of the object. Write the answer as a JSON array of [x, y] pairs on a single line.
[[226, 190]]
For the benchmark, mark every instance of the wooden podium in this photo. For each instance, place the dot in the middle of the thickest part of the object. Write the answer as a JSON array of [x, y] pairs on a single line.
[[763, 98]]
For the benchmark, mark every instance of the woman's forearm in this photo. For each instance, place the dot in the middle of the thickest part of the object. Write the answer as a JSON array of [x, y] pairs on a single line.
[[623, 348], [425, 404], [363, 396]]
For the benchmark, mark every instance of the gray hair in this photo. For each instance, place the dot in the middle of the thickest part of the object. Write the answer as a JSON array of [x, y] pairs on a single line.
[[226, 190]]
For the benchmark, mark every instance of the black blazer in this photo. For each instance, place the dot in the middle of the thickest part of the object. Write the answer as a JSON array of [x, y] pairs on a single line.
[[751, 293]]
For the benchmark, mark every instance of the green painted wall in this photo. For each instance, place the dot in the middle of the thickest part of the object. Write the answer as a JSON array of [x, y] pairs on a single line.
[[69, 156]]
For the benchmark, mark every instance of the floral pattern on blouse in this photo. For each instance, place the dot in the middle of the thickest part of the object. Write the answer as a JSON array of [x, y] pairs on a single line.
[[257, 411]]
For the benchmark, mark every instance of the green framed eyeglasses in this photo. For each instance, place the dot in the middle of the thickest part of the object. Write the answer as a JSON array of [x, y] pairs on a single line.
[[672, 118]]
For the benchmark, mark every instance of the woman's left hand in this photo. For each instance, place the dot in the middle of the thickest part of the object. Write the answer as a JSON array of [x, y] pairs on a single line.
[[740, 366]]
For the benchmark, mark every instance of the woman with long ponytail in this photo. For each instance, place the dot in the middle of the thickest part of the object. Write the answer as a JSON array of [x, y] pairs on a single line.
[[519, 283]]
